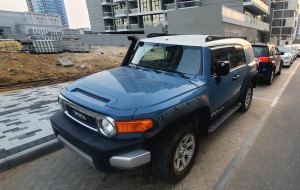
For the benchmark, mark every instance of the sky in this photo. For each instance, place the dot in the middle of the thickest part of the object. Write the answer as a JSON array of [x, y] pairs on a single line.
[[76, 11]]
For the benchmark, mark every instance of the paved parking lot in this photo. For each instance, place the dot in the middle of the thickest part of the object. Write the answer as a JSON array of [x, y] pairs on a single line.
[[62, 170]]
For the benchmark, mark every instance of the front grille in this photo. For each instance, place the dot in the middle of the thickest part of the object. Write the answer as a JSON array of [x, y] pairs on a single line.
[[82, 117]]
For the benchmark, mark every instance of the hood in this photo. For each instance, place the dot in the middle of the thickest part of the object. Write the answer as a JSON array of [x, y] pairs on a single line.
[[131, 88], [286, 55]]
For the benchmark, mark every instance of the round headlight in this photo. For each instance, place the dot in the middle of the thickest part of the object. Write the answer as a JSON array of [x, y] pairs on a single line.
[[107, 127]]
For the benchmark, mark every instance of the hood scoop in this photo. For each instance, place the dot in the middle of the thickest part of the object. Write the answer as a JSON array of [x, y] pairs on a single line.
[[79, 93]]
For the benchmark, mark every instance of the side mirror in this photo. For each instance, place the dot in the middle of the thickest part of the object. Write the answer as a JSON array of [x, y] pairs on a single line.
[[281, 53], [222, 68]]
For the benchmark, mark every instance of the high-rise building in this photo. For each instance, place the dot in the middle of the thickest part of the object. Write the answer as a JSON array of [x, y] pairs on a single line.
[[54, 7], [283, 20], [141, 16]]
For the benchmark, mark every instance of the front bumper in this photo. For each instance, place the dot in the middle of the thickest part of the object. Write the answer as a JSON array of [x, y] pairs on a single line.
[[107, 155]]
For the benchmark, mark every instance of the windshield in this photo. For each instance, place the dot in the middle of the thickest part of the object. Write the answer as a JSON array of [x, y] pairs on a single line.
[[177, 58], [284, 49], [261, 51]]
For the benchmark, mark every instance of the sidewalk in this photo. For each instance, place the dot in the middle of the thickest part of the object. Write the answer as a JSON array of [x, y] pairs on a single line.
[[24, 122]]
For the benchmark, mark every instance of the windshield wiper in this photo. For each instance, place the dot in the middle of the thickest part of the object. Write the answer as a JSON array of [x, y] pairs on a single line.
[[150, 67], [180, 73]]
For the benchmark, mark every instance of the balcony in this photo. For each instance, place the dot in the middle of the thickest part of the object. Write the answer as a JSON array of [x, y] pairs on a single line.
[[170, 6], [187, 4], [122, 28], [106, 2], [133, 11], [121, 13], [155, 24], [235, 17], [109, 28], [107, 15], [118, 1], [257, 5]]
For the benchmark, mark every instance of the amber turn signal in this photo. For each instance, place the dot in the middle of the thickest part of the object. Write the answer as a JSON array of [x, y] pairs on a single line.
[[133, 126]]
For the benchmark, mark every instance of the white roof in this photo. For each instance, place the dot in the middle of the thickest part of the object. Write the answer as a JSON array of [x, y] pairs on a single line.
[[194, 40]]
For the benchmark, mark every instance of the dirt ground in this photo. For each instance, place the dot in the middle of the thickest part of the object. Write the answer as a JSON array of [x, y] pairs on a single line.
[[20, 67]]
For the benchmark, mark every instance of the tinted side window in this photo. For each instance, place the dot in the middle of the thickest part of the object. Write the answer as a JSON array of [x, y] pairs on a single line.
[[239, 57], [221, 55], [249, 54]]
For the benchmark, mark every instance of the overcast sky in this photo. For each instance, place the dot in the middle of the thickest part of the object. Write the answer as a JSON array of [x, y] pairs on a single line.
[[76, 11]]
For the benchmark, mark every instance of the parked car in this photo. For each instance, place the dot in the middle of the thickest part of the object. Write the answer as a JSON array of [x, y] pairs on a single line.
[[294, 52], [297, 49], [269, 61], [152, 108], [286, 55]]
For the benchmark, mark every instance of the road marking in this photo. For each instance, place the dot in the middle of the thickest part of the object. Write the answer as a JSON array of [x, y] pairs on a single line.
[[237, 160], [262, 99]]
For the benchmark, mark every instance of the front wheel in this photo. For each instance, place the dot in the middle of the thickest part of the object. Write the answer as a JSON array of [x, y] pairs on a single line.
[[174, 156], [246, 98], [279, 72]]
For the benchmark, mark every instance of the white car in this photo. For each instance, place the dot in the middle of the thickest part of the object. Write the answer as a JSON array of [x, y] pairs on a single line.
[[298, 49], [286, 55], [293, 50]]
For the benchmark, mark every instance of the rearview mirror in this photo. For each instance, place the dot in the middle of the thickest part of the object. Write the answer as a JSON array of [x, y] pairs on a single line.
[[222, 68]]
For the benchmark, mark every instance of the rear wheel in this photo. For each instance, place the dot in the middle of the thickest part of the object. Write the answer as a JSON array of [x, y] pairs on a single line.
[[279, 72], [174, 156], [270, 78], [246, 98]]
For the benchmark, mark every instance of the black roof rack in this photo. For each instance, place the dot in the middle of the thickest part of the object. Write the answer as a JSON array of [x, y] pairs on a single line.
[[213, 38], [153, 35]]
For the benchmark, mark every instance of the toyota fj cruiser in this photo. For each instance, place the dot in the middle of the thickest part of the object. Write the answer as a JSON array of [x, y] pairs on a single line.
[[152, 108]]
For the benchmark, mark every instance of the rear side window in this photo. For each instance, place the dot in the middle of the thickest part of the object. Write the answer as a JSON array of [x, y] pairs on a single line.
[[249, 54], [261, 51], [239, 57]]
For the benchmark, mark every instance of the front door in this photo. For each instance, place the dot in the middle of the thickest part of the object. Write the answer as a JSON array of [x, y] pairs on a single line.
[[224, 91]]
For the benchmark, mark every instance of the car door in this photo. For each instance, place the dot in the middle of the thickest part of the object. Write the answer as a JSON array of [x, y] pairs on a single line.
[[224, 90], [273, 59]]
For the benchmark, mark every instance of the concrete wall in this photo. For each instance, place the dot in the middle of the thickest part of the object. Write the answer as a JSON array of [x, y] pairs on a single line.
[[107, 39], [202, 20], [96, 15]]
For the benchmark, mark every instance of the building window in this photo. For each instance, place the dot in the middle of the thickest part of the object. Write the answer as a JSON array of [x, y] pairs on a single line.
[[283, 22], [147, 18], [289, 13], [286, 4], [158, 17], [156, 5], [276, 23], [272, 5], [275, 30], [288, 30], [277, 14], [145, 5], [279, 6]]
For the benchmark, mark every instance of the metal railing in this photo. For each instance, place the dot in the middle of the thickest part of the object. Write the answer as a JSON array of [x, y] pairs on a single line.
[[242, 17], [106, 1], [155, 24], [107, 14], [109, 28], [132, 11], [121, 27], [134, 26], [260, 3], [121, 12], [187, 4]]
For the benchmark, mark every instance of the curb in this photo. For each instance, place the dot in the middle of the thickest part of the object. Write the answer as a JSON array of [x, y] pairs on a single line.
[[29, 154]]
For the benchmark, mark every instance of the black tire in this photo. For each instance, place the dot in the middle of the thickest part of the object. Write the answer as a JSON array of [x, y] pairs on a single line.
[[279, 72], [164, 151], [245, 103], [270, 78]]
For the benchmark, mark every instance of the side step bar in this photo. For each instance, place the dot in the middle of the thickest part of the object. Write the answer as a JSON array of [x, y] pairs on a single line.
[[215, 124]]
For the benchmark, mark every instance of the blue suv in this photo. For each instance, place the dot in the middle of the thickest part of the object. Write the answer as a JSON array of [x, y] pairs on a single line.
[[152, 108]]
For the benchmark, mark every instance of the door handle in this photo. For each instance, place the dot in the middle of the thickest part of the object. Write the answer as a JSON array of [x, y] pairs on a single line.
[[235, 77]]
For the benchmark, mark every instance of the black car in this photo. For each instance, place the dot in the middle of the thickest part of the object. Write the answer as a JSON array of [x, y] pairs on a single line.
[[269, 62]]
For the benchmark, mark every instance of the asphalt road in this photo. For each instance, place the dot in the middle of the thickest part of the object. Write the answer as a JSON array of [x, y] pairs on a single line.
[[273, 162]]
